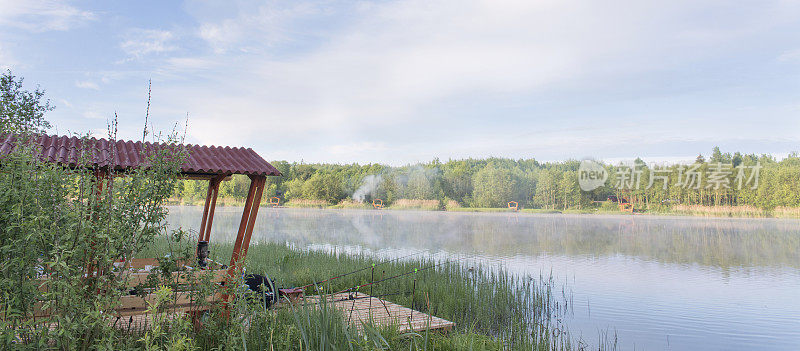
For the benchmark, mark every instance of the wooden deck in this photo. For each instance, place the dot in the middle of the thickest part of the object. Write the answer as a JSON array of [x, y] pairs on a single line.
[[355, 310], [384, 313]]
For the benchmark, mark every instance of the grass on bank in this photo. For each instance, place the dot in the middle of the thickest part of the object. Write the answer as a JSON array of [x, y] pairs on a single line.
[[743, 211], [492, 309]]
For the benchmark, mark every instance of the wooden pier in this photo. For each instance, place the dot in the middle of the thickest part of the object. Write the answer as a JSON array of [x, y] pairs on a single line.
[[358, 308], [355, 310]]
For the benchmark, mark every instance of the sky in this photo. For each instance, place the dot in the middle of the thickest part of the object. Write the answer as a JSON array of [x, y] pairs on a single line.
[[399, 82]]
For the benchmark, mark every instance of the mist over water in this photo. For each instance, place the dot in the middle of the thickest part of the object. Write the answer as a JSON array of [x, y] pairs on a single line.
[[671, 283]]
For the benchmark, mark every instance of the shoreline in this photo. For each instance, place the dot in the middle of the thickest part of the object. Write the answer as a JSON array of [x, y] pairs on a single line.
[[706, 212]]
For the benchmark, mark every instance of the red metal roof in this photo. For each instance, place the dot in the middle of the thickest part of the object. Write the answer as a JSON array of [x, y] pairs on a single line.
[[122, 154]]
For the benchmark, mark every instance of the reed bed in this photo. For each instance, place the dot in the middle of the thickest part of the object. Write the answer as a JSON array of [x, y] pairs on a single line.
[[351, 204], [719, 211], [492, 309], [786, 212], [479, 209], [451, 205], [306, 203], [489, 305], [412, 204]]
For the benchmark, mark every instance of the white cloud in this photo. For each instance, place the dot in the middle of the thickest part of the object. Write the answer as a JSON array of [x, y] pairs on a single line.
[[87, 85], [255, 24], [41, 15], [142, 42], [789, 56], [36, 16], [283, 71]]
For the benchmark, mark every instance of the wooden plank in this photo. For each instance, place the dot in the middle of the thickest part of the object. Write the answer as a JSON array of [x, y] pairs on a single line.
[[382, 313], [133, 305], [185, 277], [136, 278], [170, 309], [141, 263], [145, 263], [132, 302]]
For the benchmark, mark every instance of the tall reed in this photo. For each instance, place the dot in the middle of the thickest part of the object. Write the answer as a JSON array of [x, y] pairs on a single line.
[[492, 308], [414, 204]]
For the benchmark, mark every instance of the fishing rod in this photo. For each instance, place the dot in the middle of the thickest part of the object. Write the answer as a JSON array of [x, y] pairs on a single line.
[[353, 298], [361, 269], [413, 271]]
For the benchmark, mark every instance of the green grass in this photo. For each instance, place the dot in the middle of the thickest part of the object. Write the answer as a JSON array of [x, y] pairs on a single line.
[[351, 205], [492, 309], [540, 210], [480, 209], [305, 204], [605, 209]]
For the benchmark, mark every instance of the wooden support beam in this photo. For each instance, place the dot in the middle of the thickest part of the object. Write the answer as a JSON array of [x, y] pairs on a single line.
[[236, 255], [101, 176], [208, 208], [211, 210], [209, 192], [237, 245], [254, 213], [247, 223]]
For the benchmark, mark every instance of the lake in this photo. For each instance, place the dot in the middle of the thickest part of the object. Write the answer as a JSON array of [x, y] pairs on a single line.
[[660, 283]]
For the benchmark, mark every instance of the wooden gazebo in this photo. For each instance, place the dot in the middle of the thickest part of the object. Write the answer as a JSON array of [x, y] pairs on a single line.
[[211, 163]]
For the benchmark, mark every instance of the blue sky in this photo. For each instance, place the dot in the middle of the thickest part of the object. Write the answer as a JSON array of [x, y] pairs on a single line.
[[406, 81]]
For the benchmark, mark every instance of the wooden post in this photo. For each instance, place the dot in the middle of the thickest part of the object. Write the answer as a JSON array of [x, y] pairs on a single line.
[[245, 227], [253, 214], [248, 222], [208, 209], [101, 176], [201, 234], [237, 245]]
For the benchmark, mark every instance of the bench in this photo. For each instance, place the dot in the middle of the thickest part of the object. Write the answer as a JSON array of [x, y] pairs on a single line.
[[135, 273]]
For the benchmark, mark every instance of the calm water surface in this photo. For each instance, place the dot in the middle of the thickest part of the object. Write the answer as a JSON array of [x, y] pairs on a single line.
[[662, 283]]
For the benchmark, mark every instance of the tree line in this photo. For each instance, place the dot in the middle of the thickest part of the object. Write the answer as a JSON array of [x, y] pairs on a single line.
[[730, 179]]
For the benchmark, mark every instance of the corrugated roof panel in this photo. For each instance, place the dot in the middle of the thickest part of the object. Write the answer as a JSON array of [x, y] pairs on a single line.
[[124, 154]]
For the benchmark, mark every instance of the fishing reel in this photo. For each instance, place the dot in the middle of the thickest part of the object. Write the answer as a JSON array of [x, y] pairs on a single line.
[[264, 288], [202, 254], [203, 259]]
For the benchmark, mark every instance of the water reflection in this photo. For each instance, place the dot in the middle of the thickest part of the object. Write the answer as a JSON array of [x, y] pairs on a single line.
[[722, 243]]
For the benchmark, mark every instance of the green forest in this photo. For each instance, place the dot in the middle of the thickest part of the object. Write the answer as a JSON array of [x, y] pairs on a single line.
[[724, 179]]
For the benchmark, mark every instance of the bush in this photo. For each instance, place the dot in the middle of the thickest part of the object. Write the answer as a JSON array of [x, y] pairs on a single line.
[[62, 229], [609, 206], [56, 226]]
